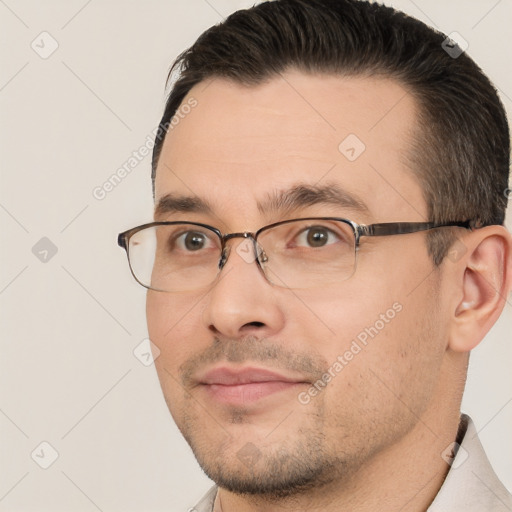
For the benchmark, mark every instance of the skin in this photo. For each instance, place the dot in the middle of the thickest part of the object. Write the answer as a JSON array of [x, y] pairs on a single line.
[[358, 442]]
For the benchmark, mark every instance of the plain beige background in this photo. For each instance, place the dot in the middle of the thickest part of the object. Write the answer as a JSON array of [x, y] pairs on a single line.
[[72, 319]]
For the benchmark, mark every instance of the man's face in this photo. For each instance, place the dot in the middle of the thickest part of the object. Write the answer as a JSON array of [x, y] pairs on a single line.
[[239, 358]]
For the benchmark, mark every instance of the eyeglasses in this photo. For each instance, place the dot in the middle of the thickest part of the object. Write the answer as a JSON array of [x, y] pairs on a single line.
[[297, 253]]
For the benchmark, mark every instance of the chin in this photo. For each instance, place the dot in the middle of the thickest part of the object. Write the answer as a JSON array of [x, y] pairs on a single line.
[[291, 468]]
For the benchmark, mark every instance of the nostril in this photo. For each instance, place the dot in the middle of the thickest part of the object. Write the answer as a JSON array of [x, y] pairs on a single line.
[[255, 324]]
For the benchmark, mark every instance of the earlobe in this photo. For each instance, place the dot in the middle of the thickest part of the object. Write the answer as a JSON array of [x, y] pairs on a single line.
[[484, 284]]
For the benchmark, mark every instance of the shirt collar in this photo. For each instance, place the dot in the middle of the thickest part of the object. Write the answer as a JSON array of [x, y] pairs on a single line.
[[471, 484]]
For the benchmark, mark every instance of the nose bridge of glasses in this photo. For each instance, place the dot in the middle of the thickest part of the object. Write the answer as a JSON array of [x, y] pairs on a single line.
[[244, 234]]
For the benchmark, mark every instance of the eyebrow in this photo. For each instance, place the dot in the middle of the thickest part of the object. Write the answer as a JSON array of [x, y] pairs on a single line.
[[173, 203], [281, 202], [302, 195]]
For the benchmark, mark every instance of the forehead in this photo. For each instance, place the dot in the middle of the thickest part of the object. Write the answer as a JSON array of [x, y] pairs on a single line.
[[239, 143]]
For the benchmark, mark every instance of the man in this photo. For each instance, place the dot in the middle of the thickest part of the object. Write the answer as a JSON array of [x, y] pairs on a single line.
[[319, 363]]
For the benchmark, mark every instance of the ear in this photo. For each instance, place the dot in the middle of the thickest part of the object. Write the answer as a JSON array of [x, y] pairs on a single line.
[[483, 280]]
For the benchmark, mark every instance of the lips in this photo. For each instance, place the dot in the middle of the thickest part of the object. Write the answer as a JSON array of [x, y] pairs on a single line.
[[247, 385]]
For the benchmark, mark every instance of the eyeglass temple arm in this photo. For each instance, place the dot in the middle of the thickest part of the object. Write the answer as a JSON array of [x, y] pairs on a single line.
[[398, 228]]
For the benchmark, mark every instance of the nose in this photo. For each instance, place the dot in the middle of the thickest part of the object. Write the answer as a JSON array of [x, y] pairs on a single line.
[[242, 302]]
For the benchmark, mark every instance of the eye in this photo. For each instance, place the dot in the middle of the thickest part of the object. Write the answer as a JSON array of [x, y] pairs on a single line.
[[193, 241], [317, 236]]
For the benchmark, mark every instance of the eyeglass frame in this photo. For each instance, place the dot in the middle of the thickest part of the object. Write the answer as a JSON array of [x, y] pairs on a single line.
[[359, 230]]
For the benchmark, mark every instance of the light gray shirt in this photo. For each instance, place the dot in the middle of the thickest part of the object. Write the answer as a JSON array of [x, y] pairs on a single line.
[[470, 486]]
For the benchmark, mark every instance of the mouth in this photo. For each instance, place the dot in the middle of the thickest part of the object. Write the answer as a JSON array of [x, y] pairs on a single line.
[[244, 386]]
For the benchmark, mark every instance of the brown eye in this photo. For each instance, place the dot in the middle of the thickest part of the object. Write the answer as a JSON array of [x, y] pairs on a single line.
[[192, 241], [317, 236]]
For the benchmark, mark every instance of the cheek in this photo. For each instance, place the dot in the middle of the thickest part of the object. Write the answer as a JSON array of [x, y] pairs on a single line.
[[379, 336], [173, 326], [352, 310], [400, 366]]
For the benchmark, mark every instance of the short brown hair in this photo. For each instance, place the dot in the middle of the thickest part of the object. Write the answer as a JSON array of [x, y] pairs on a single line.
[[461, 149]]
